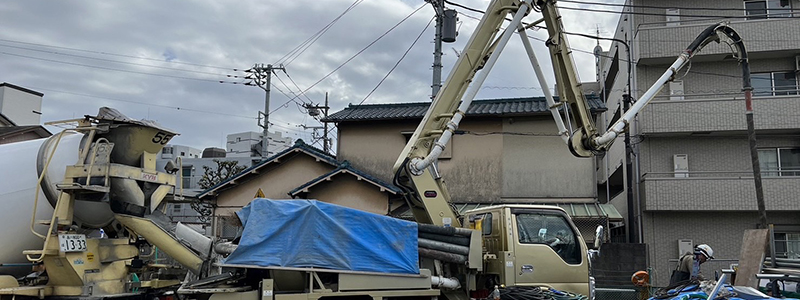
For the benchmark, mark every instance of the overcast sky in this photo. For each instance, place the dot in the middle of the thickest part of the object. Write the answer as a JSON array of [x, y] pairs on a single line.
[[163, 60]]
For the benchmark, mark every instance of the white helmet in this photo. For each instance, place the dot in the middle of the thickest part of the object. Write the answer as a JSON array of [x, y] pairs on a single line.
[[705, 250]]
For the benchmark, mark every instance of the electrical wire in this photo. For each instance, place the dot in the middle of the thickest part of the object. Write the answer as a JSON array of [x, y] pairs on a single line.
[[291, 56], [398, 62], [115, 54], [119, 62], [143, 103], [392, 69], [356, 55], [119, 70]]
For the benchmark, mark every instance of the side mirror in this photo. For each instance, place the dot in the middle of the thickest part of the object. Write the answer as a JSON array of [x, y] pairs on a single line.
[[599, 237]]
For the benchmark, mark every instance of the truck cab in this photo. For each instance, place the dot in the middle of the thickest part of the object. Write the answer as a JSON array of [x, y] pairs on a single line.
[[531, 245]]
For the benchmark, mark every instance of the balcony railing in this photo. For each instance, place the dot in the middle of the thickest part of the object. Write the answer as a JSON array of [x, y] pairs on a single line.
[[710, 112], [718, 191], [658, 40]]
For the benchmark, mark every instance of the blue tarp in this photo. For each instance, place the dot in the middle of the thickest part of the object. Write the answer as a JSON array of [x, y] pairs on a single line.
[[314, 234]]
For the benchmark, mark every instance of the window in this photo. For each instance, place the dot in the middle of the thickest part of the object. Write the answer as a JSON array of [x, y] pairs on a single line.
[[166, 150], [486, 222], [768, 9], [186, 176], [774, 83], [552, 230], [787, 245], [176, 208], [779, 161]]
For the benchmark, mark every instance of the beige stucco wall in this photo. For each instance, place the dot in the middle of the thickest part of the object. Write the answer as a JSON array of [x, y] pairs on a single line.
[[373, 147], [485, 165], [276, 181], [346, 190], [539, 164]]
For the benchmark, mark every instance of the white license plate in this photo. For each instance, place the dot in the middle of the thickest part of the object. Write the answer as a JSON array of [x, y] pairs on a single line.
[[72, 242]]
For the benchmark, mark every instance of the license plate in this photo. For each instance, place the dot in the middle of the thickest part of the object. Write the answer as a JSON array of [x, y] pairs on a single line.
[[72, 242]]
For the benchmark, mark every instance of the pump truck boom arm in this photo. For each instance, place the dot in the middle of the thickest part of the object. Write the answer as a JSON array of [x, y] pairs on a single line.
[[416, 169]]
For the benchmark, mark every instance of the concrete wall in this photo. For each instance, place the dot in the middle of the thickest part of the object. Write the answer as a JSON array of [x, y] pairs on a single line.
[[347, 190], [20, 107], [275, 181], [722, 231]]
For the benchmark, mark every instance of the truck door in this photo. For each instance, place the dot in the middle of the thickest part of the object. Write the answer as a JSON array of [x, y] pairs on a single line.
[[549, 251]]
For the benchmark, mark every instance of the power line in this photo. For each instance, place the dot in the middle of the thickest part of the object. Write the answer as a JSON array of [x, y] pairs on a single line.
[[143, 103], [313, 38], [115, 54], [118, 70], [398, 62], [118, 61], [355, 55], [392, 69]]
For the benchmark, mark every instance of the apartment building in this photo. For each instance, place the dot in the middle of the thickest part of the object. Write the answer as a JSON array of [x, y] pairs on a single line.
[[692, 177]]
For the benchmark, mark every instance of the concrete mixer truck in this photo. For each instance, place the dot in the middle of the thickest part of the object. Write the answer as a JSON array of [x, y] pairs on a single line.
[[56, 192]]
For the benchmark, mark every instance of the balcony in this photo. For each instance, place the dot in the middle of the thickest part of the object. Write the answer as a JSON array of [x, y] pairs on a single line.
[[719, 191], [719, 114], [657, 41]]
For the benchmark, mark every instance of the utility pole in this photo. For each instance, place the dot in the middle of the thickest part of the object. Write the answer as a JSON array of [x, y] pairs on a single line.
[[445, 32], [261, 76], [314, 111]]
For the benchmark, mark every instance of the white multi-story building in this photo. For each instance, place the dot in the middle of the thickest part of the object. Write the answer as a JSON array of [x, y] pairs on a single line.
[[173, 151], [20, 105], [692, 172], [248, 144]]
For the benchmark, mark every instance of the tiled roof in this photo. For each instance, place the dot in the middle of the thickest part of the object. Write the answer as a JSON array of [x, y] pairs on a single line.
[[299, 145], [417, 110], [345, 167]]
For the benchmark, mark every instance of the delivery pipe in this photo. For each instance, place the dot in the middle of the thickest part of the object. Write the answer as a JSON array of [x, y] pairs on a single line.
[[443, 256], [456, 240], [444, 230], [444, 282], [225, 248], [417, 164], [605, 140], [441, 246]]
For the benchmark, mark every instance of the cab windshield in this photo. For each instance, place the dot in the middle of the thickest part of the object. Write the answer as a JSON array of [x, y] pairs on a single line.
[[551, 230]]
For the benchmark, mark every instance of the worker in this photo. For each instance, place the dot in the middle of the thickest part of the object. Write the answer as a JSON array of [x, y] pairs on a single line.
[[689, 265]]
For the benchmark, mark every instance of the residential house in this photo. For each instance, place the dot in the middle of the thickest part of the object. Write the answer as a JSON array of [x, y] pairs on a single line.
[[304, 172], [20, 105], [20, 112], [693, 180], [504, 151]]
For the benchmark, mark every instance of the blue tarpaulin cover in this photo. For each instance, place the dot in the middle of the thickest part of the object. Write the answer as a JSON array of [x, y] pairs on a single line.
[[314, 234]]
